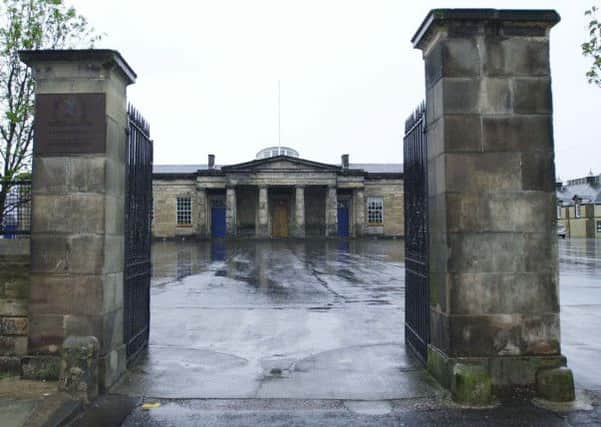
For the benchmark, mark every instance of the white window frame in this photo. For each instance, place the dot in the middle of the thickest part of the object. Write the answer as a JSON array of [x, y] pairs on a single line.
[[182, 212], [577, 212], [372, 203], [558, 211]]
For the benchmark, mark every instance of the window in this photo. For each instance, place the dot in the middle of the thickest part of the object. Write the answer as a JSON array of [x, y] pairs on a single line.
[[184, 211], [558, 212], [375, 210], [598, 226], [577, 210]]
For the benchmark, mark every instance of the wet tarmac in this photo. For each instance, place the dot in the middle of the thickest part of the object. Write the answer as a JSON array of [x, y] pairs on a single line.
[[278, 319], [313, 321], [580, 299]]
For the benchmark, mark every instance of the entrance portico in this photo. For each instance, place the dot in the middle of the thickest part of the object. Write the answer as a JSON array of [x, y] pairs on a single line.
[[281, 197]]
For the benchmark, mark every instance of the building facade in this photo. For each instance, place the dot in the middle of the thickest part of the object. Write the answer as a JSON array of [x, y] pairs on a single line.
[[579, 206], [278, 195]]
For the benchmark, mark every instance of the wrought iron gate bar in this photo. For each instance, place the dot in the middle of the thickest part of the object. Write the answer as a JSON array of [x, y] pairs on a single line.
[[417, 300], [138, 211]]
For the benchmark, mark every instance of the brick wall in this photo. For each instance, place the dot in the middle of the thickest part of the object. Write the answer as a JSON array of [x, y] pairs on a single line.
[[14, 296]]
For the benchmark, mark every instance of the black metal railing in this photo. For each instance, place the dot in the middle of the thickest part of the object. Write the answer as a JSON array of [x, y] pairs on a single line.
[[138, 217], [15, 208], [417, 299]]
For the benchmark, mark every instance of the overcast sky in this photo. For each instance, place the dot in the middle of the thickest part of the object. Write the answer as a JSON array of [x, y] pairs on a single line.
[[208, 71]]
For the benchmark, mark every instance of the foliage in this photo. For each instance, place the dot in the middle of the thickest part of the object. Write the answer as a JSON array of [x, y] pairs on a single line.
[[592, 48], [29, 25]]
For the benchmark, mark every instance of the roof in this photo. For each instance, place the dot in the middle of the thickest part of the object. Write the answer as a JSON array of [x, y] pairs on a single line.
[[193, 168], [185, 169], [588, 193], [296, 160], [378, 167]]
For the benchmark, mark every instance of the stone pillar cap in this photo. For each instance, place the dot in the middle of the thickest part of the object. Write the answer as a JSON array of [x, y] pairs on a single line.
[[107, 56], [436, 17]]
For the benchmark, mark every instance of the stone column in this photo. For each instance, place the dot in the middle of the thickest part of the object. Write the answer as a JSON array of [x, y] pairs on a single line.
[[359, 208], [230, 212], [491, 195], [263, 213], [331, 212], [203, 229], [77, 228], [299, 213]]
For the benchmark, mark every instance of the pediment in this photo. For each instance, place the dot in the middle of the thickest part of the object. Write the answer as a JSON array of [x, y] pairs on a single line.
[[280, 163]]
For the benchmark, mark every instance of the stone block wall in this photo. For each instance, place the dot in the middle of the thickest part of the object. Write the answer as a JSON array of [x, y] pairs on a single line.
[[78, 190], [165, 193], [493, 271], [394, 218], [583, 227], [14, 301]]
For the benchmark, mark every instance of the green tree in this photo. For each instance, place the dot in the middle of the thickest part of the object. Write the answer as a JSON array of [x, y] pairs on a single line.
[[592, 48], [28, 25]]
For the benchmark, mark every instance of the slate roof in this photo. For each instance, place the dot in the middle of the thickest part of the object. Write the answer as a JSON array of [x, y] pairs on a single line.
[[193, 168], [587, 192], [174, 169], [378, 167]]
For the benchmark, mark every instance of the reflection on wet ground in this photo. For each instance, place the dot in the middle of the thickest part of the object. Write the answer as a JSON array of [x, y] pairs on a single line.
[[296, 319], [313, 319], [320, 273], [580, 298]]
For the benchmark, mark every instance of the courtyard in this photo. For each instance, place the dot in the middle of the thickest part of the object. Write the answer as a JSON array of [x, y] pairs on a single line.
[[246, 322], [313, 319]]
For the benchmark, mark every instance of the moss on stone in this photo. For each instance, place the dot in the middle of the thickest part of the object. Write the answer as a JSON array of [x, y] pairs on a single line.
[[49, 372], [40, 368], [471, 385], [438, 366], [556, 385]]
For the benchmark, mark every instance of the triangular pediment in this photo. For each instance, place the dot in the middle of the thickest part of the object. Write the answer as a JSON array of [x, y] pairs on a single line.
[[280, 163]]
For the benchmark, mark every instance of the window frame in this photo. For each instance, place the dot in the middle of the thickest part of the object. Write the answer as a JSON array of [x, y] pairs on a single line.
[[379, 200], [183, 214], [577, 213]]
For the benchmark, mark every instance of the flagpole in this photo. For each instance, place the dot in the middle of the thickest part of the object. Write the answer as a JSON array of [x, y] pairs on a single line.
[[279, 123]]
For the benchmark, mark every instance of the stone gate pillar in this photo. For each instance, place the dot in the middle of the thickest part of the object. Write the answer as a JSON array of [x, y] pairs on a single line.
[[493, 256], [77, 228]]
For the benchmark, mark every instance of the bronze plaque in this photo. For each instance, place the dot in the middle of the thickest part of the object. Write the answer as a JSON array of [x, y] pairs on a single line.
[[70, 123]]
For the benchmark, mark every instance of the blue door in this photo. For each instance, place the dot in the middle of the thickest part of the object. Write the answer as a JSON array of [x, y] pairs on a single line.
[[218, 222], [343, 221]]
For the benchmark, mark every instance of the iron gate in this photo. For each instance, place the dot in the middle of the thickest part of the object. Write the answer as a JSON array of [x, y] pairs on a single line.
[[138, 218], [417, 304]]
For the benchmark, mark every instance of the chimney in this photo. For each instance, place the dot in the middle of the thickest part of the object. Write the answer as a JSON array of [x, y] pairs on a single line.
[[211, 161], [345, 163]]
